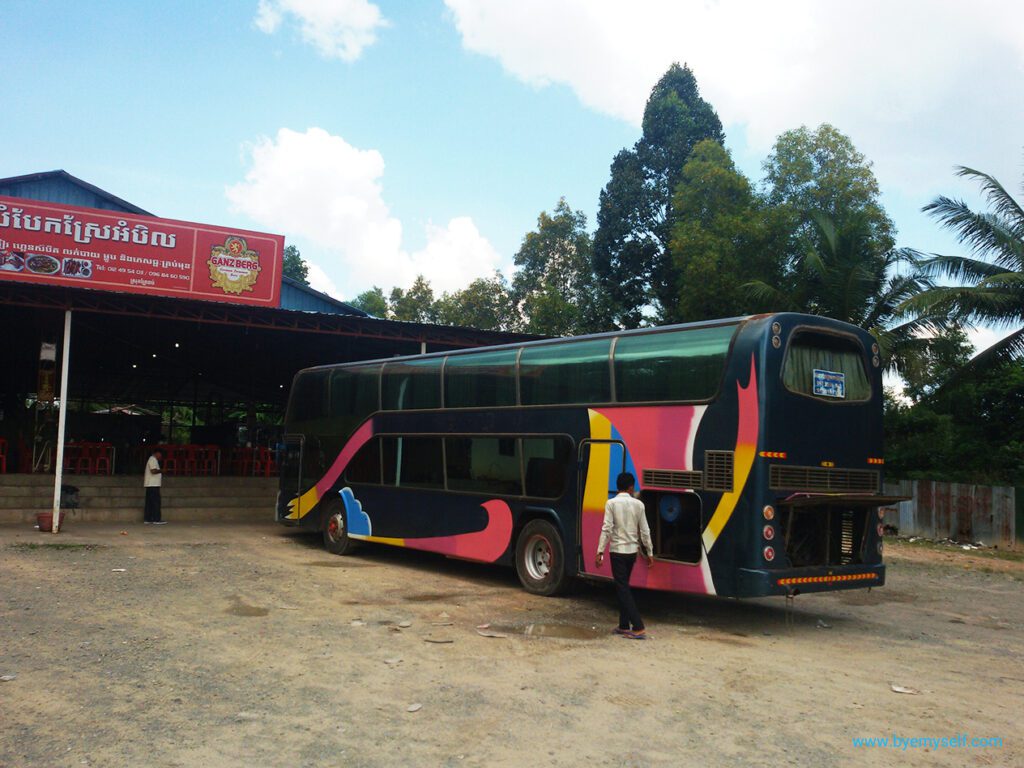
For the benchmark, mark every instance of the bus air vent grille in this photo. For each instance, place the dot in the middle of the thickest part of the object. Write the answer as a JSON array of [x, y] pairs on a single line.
[[783, 478], [718, 470], [672, 478]]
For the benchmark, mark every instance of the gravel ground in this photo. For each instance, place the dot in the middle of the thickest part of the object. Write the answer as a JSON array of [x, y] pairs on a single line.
[[218, 645]]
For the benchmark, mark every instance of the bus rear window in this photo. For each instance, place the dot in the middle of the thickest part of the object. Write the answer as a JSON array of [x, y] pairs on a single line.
[[826, 367]]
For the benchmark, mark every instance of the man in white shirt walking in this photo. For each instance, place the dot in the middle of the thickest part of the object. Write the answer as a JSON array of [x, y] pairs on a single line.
[[625, 526], [151, 481]]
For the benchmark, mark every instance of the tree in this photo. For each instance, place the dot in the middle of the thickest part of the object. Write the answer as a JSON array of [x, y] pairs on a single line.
[[967, 431], [992, 278], [821, 171], [554, 287], [415, 305], [294, 265], [486, 304], [841, 273], [631, 246], [722, 238], [372, 302]]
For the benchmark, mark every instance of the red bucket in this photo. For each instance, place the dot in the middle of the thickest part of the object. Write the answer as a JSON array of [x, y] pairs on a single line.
[[45, 521]]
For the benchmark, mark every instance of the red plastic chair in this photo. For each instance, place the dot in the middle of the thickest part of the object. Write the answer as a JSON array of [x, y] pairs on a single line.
[[209, 463], [170, 462], [3, 455], [189, 459], [101, 457], [84, 465]]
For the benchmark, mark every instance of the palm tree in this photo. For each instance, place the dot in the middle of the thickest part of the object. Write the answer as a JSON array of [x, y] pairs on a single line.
[[990, 281], [838, 276]]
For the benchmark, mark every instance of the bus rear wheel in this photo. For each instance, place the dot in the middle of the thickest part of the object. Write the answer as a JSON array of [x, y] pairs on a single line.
[[540, 559], [335, 530]]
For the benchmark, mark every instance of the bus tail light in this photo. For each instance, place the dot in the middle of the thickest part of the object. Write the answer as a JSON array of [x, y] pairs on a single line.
[[881, 530], [769, 532], [769, 554], [772, 454], [872, 460], [768, 512]]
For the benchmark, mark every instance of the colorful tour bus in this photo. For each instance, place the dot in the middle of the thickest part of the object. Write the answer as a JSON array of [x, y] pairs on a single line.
[[756, 443]]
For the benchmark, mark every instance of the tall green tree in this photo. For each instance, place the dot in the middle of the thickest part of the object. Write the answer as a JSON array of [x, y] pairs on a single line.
[[841, 273], [723, 237], [632, 256], [486, 303], [372, 302], [822, 172], [554, 288], [295, 266], [991, 279], [415, 305]]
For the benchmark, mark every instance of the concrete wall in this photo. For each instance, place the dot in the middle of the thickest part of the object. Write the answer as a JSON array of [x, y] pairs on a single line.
[[959, 511]]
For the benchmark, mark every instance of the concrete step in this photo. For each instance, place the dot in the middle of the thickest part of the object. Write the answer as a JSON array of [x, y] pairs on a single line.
[[169, 499], [134, 516]]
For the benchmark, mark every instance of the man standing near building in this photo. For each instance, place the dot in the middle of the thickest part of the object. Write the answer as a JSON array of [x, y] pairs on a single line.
[[151, 481], [625, 526]]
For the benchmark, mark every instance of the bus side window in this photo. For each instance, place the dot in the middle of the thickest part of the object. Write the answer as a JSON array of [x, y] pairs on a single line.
[[417, 462], [547, 460], [365, 465], [354, 396], [308, 400], [480, 380], [412, 384], [483, 465], [567, 372]]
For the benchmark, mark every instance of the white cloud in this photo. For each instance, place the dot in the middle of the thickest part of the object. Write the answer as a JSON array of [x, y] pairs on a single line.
[[338, 29], [318, 187], [920, 85]]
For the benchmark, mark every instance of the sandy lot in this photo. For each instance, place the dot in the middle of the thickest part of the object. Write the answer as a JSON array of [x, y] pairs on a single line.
[[192, 645]]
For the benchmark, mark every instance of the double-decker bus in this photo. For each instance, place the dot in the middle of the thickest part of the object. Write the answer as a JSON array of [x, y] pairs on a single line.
[[756, 443]]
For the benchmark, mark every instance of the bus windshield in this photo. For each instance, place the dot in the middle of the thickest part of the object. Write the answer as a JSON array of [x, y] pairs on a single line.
[[826, 366]]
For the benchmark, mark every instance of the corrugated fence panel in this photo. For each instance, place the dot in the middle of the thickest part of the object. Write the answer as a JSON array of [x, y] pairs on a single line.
[[954, 510]]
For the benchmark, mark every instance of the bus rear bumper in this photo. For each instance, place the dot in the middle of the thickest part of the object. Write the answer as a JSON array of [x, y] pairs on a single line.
[[762, 583]]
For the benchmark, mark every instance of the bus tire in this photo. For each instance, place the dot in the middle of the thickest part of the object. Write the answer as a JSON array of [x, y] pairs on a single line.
[[540, 559], [335, 530]]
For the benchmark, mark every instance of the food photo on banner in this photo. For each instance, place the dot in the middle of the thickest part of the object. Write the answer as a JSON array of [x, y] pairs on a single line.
[[88, 248]]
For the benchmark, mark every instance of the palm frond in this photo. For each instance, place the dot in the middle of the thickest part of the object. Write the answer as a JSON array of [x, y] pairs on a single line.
[[1002, 201]]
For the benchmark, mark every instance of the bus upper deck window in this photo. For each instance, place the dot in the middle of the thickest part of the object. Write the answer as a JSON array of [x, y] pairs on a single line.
[[308, 399], [412, 384], [480, 379], [826, 366], [684, 365], [567, 372]]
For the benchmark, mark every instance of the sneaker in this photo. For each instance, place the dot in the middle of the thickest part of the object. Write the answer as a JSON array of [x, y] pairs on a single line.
[[640, 634], [620, 631], [160, 522], [147, 522]]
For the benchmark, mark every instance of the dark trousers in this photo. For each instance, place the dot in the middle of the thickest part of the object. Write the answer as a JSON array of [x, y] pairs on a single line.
[[622, 569], [152, 513]]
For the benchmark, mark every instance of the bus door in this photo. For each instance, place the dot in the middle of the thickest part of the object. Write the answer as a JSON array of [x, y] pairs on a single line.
[[291, 472], [600, 463]]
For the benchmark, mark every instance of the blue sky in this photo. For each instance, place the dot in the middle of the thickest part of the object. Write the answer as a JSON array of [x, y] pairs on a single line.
[[390, 138]]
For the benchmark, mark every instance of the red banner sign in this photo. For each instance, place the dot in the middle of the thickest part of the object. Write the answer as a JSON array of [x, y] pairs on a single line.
[[90, 248]]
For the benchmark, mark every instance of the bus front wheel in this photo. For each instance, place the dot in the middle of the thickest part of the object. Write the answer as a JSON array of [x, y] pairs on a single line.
[[540, 559], [335, 530]]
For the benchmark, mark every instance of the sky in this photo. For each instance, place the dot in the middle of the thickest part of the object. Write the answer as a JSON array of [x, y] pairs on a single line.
[[393, 138]]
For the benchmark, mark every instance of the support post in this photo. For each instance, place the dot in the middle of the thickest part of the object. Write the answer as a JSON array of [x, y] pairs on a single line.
[[58, 474]]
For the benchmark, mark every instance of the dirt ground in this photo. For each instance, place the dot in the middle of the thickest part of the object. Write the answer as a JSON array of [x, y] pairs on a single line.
[[190, 645]]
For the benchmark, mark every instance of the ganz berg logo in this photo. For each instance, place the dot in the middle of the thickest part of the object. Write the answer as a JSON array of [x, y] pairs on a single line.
[[234, 267]]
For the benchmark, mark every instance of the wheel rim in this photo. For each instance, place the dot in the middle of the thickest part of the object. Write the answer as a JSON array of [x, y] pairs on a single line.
[[336, 527], [538, 557]]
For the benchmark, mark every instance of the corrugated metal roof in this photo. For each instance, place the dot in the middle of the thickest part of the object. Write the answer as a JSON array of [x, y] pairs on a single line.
[[61, 187], [302, 298]]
